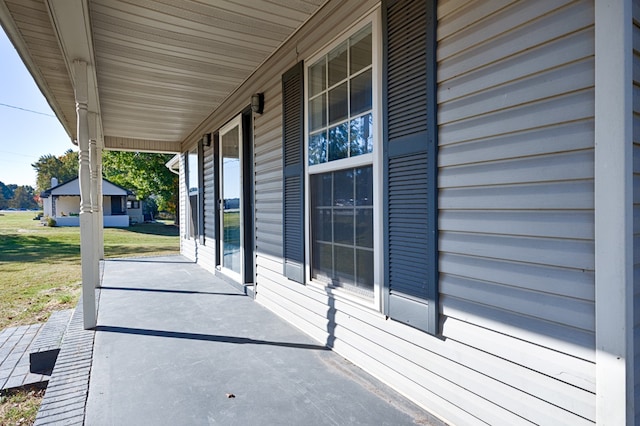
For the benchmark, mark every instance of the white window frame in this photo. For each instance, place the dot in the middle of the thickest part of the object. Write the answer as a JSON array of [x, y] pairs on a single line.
[[234, 122], [192, 153], [374, 159]]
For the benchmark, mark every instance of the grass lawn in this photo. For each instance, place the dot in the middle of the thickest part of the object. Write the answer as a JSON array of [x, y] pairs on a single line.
[[40, 266], [20, 406]]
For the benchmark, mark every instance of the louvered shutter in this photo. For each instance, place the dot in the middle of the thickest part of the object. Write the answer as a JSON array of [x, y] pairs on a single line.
[[411, 294], [216, 195], [201, 191], [293, 163]]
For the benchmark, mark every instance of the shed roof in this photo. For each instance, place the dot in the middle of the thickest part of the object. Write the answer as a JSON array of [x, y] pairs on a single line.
[[72, 187]]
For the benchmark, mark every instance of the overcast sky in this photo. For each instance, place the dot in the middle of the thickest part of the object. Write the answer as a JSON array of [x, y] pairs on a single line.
[[28, 127]]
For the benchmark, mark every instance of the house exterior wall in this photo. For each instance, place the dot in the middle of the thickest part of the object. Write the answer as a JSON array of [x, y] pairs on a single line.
[[515, 167], [66, 204], [636, 205], [516, 195], [188, 246], [120, 221], [70, 204], [516, 244], [136, 215], [46, 206]]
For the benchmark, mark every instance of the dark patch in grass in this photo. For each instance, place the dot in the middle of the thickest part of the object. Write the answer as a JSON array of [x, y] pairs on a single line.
[[155, 229], [33, 248], [125, 251]]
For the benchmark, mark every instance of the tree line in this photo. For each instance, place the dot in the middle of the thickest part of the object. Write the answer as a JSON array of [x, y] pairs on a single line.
[[14, 196]]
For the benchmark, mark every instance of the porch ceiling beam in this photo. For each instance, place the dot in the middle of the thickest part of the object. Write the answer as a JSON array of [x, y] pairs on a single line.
[[72, 24], [141, 145]]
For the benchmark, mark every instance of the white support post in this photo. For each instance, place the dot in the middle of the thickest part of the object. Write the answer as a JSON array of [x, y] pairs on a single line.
[[96, 193], [613, 213], [86, 219], [100, 241], [93, 155]]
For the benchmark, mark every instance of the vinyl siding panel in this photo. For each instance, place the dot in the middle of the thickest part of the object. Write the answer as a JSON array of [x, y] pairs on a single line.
[[515, 94], [516, 106], [206, 255], [187, 245], [636, 206], [268, 187]]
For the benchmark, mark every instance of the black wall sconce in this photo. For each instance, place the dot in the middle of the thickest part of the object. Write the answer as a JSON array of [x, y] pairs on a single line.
[[257, 103], [206, 139]]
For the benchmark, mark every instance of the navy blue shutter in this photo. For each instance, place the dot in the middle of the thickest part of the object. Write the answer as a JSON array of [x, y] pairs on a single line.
[[216, 196], [247, 198], [293, 163], [410, 167], [201, 191]]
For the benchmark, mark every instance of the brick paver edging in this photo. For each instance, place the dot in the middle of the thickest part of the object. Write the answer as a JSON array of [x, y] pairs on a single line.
[[46, 346], [66, 395], [15, 345]]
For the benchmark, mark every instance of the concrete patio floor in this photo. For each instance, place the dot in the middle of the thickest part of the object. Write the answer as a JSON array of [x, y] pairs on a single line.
[[174, 343]]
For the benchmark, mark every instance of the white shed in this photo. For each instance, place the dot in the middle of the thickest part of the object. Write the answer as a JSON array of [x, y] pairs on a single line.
[[62, 202]]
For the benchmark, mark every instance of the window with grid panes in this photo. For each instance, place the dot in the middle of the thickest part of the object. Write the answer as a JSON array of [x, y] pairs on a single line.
[[340, 146]]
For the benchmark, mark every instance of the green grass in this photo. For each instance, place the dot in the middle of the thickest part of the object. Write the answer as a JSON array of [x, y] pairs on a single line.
[[40, 266], [19, 407], [231, 220]]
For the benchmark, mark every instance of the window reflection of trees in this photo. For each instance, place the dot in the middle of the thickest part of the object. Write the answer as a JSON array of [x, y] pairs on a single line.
[[361, 135], [318, 148], [342, 232], [338, 142]]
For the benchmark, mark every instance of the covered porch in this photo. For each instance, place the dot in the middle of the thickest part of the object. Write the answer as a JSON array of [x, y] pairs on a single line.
[[154, 359], [516, 159], [141, 76]]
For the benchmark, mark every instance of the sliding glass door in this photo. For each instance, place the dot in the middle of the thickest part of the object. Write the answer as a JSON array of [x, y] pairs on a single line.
[[231, 216]]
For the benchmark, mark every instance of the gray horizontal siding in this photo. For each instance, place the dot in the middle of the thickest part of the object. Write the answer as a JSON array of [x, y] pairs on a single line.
[[516, 220], [516, 105], [453, 369], [206, 255], [520, 212], [268, 181]]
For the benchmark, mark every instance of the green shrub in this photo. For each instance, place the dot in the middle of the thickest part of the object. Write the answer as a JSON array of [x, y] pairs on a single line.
[[51, 222]]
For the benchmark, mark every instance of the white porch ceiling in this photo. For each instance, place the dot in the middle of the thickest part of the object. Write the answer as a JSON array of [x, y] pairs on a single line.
[[162, 66]]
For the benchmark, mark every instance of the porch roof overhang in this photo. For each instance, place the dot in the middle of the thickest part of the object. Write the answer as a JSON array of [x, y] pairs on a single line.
[[157, 68]]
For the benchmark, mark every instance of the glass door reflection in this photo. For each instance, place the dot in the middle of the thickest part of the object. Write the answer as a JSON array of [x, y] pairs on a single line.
[[231, 195]]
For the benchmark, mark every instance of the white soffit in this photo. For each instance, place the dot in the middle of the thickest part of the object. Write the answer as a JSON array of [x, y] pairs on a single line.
[[163, 66], [28, 25]]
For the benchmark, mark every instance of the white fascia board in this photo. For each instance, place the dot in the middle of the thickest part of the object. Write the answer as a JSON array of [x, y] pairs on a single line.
[[174, 164], [72, 24], [613, 212]]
